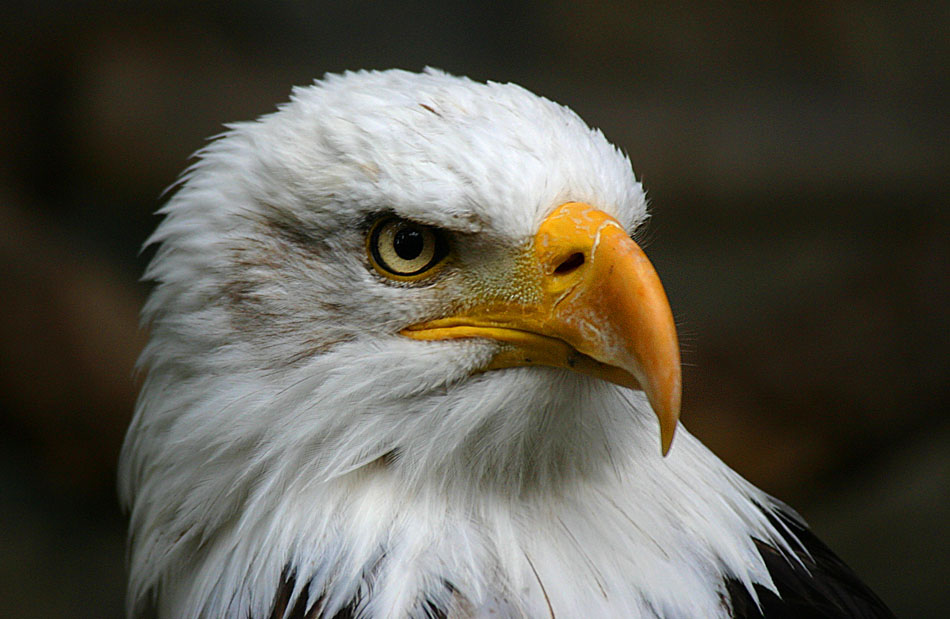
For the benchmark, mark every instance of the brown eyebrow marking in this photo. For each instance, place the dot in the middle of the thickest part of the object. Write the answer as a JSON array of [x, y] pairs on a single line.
[[429, 108]]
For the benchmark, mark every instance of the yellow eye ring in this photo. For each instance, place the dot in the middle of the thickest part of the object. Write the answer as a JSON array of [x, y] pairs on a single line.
[[404, 250]]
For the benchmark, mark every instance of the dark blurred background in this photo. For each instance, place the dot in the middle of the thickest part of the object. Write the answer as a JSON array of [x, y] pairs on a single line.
[[797, 162]]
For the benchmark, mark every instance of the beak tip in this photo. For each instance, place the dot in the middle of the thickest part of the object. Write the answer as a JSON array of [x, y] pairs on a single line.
[[666, 442], [667, 410]]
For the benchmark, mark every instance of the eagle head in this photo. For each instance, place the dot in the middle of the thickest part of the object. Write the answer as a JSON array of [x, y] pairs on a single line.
[[404, 352]]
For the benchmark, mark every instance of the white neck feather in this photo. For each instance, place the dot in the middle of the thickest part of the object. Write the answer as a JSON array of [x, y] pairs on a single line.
[[522, 497]]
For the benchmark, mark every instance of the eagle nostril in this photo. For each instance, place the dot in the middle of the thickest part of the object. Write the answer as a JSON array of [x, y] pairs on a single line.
[[571, 263]]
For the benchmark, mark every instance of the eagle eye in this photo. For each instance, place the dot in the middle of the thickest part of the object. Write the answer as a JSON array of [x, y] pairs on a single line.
[[404, 250]]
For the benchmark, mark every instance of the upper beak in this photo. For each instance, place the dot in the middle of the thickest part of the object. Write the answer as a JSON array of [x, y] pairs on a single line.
[[590, 301]]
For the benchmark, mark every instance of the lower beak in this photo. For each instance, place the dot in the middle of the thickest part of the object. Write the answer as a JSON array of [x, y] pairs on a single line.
[[597, 308]]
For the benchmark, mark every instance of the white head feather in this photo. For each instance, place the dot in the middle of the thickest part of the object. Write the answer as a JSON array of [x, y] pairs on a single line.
[[285, 428]]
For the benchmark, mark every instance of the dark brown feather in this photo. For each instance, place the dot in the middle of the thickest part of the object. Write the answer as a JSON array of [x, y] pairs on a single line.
[[813, 584], [302, 610]]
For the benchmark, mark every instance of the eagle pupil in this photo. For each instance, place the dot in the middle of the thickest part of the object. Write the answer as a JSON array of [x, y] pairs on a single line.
[[408, 243]]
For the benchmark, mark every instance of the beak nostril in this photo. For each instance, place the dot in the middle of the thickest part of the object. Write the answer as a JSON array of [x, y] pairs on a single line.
[[571, 263]]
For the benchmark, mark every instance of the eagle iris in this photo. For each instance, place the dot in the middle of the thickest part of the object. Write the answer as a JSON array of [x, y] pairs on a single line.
[[405, 250]]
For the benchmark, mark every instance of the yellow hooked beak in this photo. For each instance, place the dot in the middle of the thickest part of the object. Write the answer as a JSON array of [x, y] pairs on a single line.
[[596, 306]]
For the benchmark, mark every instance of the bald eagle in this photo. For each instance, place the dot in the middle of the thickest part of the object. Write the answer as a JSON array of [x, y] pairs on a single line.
[[407, 361]]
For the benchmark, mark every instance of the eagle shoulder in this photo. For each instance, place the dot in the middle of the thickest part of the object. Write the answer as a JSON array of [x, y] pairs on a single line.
[[814, 583]]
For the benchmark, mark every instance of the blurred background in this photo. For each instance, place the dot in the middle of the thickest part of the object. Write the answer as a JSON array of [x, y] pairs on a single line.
[[797, 162]]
